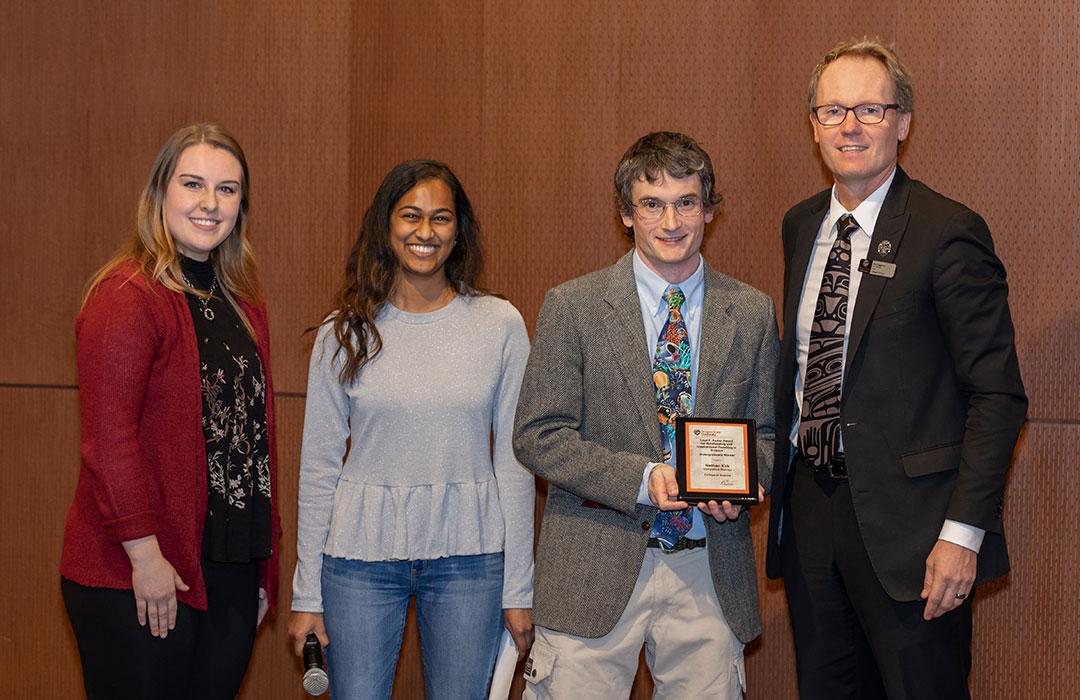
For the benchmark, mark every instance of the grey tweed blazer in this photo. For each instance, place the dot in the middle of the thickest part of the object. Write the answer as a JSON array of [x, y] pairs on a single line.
[[586, 422]]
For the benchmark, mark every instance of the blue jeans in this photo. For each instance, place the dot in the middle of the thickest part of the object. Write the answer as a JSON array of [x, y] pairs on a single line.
[[458, 608]]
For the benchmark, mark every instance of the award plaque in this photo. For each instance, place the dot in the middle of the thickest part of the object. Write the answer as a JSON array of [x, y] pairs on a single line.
[[716, 460]]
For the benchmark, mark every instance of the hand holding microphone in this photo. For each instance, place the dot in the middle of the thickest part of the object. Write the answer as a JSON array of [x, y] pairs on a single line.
[[309, 637], [315, 679]]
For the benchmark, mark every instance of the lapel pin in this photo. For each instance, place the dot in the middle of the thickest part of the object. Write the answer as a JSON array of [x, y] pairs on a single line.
[[885, 247]]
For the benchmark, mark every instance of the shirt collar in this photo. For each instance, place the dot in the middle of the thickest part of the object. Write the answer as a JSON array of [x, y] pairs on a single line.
[[866, 213], [651, 286]]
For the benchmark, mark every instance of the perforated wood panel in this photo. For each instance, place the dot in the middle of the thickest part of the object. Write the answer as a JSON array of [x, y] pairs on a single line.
[[91, 91], [1035, 609], [532, 105], [39, 433]]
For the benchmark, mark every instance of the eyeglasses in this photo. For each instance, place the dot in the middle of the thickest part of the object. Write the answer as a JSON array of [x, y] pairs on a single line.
[[653, 209], [869, 113]]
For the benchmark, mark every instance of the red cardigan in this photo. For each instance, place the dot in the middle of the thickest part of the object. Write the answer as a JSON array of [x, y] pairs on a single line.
[[144, 469]]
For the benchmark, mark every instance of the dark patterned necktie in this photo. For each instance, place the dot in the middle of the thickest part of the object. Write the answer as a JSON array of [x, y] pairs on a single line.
[[819, 424], [674, 397]]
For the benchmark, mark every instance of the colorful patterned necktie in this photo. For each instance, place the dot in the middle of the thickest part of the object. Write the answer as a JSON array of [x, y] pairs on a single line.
[[819, 424], [674, 397]]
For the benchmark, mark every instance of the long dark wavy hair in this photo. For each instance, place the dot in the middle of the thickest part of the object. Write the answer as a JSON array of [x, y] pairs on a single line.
[[372, 269]]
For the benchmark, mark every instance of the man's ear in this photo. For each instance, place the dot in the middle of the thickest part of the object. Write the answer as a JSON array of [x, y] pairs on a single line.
[[903, 125]]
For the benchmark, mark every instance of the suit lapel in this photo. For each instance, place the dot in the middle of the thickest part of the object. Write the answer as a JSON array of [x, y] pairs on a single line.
[[890, 227], [717, 336], [797, 263], [625, 333], [800, 260]]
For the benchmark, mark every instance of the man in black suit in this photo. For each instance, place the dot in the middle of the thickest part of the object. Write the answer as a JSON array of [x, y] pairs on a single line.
[[900, 395]]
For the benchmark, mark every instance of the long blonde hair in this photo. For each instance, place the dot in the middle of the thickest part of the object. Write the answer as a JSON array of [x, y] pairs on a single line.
[[152, 247]]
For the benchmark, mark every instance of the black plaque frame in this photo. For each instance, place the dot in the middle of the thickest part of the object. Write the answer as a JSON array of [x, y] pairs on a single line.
[[749, 497]]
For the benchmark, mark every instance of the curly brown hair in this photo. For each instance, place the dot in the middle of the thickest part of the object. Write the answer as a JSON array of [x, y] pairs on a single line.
[[660, 154]]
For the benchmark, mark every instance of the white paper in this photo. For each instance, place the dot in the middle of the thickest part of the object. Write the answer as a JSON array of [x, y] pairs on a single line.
[[505, 664]]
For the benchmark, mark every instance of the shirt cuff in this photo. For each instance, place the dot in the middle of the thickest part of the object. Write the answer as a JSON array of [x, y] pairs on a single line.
[[967, 536], [643, 490]]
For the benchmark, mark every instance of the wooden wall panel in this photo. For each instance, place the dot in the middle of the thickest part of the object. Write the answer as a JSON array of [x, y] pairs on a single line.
[[1026, 624], [532, 105], [290, 103], [415, 93], [92, 90], [995, 85], [39, 431]]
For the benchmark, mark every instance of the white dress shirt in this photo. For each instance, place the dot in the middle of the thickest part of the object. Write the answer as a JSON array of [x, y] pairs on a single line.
[[866, 214], [654, 313]]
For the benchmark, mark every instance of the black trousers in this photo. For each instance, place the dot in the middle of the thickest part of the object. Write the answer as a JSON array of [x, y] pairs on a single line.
[[851, 639], [205, 656]]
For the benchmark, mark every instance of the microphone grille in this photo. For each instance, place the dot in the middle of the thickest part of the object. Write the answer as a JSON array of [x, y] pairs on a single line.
[[315, 681]]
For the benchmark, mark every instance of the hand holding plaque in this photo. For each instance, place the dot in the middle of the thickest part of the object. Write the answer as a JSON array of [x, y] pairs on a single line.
[[716, 460]]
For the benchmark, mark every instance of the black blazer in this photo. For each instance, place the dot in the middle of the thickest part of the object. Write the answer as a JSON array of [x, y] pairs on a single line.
[[933, 402]]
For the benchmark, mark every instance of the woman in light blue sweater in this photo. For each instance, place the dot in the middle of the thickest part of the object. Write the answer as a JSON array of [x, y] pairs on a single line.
[[408, 482]]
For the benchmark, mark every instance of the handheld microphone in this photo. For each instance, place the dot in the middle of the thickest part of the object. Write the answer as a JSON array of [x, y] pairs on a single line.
[[315, 680]]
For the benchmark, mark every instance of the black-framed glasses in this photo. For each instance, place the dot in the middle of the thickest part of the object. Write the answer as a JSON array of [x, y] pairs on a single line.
[[868, 113], [650, 209]]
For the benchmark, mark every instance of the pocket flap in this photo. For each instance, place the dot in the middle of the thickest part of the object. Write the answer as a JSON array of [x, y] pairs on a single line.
[[540, 663], [938, 459], [904, 302]]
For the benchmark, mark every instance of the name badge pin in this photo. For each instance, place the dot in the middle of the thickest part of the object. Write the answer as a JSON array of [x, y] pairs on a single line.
[[877, 268]]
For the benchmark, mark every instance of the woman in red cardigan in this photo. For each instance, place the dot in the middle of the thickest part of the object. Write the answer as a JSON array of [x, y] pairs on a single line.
[[170, 551]]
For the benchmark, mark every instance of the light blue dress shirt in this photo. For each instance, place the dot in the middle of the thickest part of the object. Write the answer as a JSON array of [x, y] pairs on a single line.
[[654, 313]]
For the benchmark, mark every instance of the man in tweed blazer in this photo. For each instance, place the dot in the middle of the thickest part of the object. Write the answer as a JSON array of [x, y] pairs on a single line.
[[587, 423]]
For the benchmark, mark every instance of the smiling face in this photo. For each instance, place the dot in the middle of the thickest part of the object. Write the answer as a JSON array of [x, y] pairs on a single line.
[[860, 156], [202, 199], [670, 244], [423, 226]]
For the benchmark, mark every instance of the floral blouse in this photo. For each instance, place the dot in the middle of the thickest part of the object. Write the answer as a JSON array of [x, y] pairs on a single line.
[[238, 516]]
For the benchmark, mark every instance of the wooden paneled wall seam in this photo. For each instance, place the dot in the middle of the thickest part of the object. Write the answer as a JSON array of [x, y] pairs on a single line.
[[532, 104]]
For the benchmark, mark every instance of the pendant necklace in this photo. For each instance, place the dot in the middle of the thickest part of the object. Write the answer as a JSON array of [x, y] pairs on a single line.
[[207, 312]]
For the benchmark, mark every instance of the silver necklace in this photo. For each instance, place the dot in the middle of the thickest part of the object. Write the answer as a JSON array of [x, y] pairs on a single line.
[[207, 312]]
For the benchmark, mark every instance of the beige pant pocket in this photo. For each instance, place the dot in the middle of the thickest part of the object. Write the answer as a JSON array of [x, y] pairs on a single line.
[[540, 664]]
